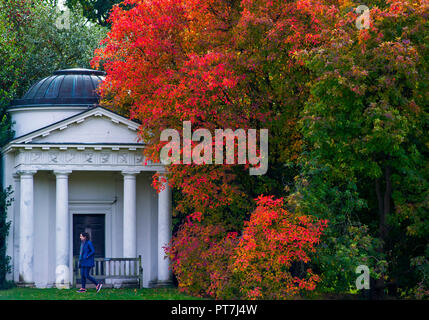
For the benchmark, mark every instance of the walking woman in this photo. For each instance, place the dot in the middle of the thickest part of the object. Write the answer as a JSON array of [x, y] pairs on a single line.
[[86, 262]]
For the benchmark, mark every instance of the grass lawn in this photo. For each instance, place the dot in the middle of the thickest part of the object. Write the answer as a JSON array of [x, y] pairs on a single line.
[[104, 294]]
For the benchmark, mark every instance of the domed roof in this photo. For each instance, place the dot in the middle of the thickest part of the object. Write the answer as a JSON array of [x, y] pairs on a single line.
[[65, 87]]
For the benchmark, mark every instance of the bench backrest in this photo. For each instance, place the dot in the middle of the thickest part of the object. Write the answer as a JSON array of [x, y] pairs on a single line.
[[113, 268]]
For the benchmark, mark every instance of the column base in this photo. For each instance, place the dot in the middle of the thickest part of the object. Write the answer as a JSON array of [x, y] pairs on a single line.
[[25, 285], [62, 285], [161, 284]]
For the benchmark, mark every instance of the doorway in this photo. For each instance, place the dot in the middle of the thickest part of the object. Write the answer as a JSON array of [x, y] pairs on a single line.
[[94, 225]]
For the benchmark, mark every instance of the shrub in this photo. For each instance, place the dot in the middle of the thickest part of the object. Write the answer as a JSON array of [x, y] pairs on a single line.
[[421, 264], [210, 262], [272, 242], [5, 268], [200, 258]]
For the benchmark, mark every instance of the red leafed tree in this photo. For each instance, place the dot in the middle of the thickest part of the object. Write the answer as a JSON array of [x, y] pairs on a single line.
[[218, 64], [161, 71], [201, 258], [210, 262]]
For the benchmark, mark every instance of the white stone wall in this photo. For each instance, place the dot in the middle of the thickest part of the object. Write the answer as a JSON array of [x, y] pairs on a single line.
[[28, 119], [97, 128], [86, 190]]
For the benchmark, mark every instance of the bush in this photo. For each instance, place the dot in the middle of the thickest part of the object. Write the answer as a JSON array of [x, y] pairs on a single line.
[[421, 264], [200, 258], [210, 262], [4, 231], [341, 252]]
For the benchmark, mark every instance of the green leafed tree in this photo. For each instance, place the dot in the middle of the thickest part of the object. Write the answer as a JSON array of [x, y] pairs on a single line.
[[365, 129], [13, 20], [96, 11], [56, 40], [35, 40]]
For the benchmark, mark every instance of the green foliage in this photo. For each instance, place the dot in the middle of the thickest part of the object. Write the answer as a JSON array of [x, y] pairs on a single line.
[[96, 11], [421, 265], [32, 47], [5, 201], [340, 254], [348, 242], [10, 56], [47, 48], [365, 162]]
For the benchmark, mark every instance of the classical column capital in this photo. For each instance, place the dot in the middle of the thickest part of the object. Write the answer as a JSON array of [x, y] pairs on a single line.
[[60, 173], [23, 173], [129, 174]]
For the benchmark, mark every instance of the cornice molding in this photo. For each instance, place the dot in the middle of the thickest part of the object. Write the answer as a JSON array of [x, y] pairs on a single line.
[[72, 146], [83, 160]]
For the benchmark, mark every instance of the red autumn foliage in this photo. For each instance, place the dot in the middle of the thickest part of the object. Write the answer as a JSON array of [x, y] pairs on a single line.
[[211, 262], [200, 257], [218, 64], [272, 241]]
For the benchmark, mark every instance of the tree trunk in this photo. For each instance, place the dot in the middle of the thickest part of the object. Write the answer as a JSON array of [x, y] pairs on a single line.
[[387, 201], [384, 202]]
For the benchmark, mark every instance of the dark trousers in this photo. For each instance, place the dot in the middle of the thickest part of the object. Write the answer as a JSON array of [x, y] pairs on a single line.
[[84, 273]]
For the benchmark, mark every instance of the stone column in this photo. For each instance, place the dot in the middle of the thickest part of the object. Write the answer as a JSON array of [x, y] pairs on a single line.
[[164, 235], [26, 229], [130, 217], [15, 207], [62, 272]]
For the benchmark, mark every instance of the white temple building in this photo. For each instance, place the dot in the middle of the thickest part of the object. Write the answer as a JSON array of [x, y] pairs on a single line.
[[75, 167]]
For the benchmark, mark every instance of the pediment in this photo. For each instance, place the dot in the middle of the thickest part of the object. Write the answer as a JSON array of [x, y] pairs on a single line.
[[96, 126]]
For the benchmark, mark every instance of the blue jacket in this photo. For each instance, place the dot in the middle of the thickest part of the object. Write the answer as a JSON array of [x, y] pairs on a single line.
[[86, 257]]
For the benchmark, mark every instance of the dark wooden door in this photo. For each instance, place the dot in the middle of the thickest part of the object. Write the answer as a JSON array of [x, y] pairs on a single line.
[[94, 224]]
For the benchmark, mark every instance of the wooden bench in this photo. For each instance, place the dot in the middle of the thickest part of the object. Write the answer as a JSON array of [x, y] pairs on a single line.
[[113, 268]]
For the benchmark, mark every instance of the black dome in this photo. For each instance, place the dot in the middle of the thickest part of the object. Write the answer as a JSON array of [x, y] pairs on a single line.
[[65, 87]]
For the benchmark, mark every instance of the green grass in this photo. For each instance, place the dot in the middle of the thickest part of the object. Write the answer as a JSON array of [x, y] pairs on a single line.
[[104, 294]]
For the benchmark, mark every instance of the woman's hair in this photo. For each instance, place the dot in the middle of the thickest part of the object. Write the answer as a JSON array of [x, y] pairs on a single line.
[[86, 235]]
